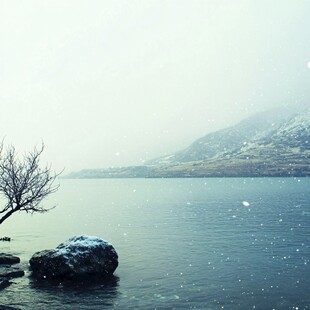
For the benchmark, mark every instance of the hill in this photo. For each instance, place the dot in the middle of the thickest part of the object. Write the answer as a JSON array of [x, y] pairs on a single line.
[[274, 143]]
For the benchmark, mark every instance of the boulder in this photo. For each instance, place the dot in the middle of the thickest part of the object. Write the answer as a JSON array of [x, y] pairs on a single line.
[[4, 283], [11, 272], [7, 308], [79, 257], [8, 259]]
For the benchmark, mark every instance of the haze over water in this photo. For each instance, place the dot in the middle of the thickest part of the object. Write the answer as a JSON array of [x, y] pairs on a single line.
[[117, 83]]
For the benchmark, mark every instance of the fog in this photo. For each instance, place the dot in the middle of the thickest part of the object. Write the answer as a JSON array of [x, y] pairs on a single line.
[[109, 83]]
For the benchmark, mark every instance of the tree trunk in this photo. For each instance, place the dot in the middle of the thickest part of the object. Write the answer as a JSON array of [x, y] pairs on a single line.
[[4, 217]]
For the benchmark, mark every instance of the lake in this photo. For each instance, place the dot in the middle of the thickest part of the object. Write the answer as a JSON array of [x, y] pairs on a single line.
[[182, 244]]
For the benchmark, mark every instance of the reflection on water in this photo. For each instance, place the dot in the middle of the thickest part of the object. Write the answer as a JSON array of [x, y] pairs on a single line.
[[67, 294], [182, 244]]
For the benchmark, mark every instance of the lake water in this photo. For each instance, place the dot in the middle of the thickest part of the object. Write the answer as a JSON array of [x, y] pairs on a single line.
[[182, 244]]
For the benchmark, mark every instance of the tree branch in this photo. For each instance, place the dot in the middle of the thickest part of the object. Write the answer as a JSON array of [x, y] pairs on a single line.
[[23, 183]]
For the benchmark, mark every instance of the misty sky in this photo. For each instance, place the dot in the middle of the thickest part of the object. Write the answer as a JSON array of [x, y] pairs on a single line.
[[107, 83]]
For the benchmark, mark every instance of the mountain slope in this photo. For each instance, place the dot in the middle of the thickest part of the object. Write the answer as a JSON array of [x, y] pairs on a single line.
[[281, 150], [219, 143], [267, 144]]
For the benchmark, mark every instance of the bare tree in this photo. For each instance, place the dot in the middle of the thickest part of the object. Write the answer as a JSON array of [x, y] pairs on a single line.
[[23, 183]]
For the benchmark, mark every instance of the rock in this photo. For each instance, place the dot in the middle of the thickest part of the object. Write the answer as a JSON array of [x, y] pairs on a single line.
[[7, 308], [8, 239], [7, 259], [79, 257], [4, 283], [11, 272], [7, 271]]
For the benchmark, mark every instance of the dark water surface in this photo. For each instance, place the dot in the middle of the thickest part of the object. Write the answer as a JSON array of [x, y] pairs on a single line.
[[182, 244]]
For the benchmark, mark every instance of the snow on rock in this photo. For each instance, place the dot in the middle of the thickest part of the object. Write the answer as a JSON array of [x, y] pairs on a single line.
[[79, 257]]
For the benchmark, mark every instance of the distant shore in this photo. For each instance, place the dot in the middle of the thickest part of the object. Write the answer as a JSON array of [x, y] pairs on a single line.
[[198, 170]]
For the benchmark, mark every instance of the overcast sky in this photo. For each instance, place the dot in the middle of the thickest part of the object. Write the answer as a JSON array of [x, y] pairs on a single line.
[[107, 83]]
